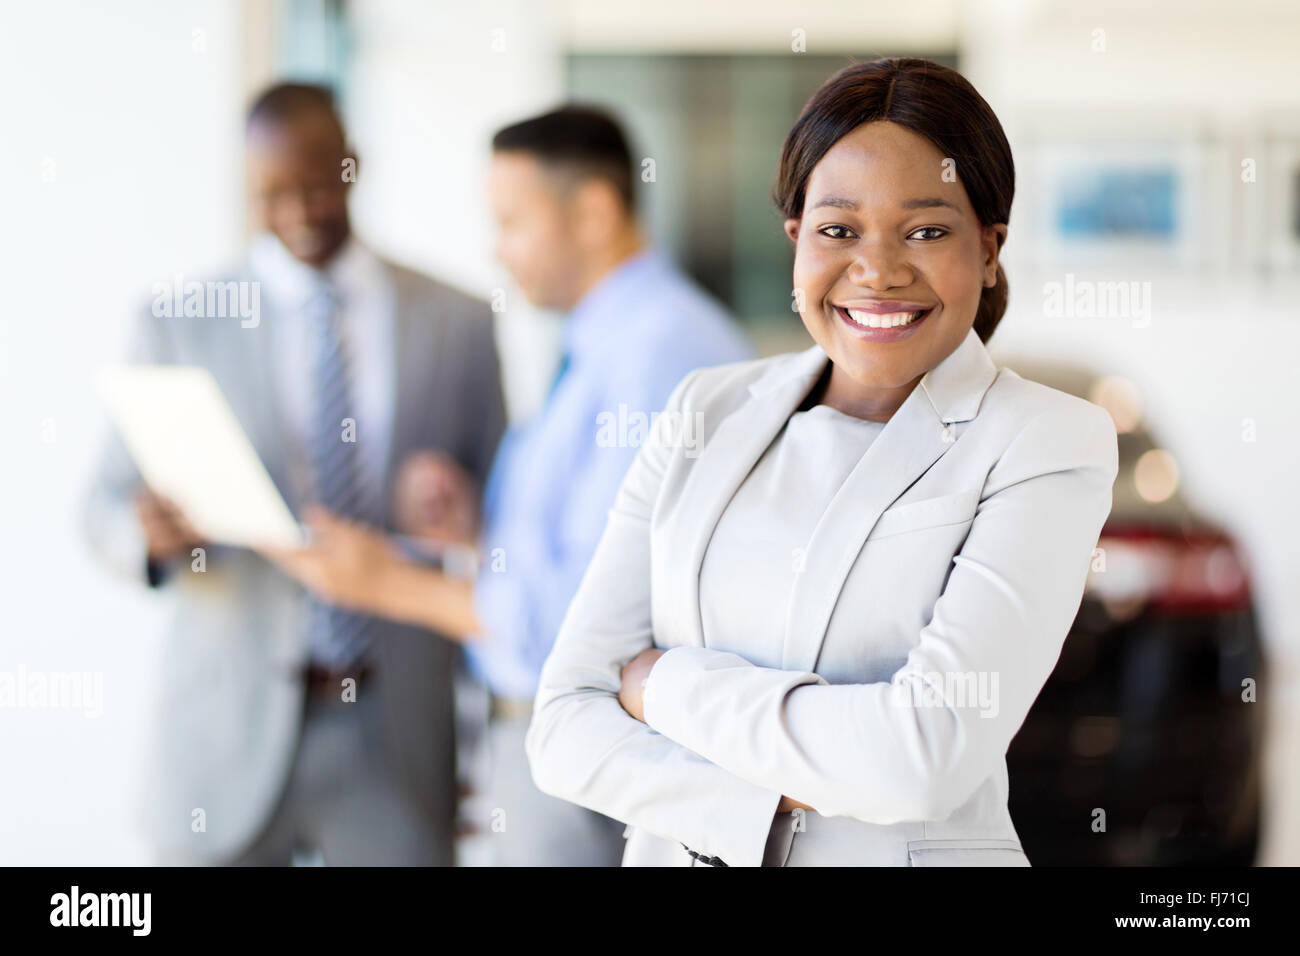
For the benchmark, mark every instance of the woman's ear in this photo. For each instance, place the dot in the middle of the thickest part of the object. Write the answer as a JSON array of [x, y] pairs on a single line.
[[791, 228], [992, 239]]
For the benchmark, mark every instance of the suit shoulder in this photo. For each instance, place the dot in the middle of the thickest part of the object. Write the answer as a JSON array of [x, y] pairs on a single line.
[[1023, 400], [729, 381], [445, 296], [162, 320], [1051, 420]]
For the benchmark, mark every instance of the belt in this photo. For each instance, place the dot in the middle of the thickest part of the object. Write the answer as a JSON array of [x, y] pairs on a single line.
[[319, 679], [510, 708]]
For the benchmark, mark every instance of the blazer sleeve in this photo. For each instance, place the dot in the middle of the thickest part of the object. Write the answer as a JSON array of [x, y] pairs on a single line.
[[901, 750], [582, 745]]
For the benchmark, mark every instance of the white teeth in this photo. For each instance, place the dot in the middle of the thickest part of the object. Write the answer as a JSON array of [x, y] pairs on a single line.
[[877, 320]]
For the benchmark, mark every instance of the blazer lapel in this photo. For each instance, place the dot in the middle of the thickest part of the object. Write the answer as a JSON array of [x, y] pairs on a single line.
[[917, 436], [415, 356], [740, 440], [252, 373]]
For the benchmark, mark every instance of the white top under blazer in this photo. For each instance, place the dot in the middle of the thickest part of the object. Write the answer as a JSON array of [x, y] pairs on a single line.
[[929, 608], [766, 547]]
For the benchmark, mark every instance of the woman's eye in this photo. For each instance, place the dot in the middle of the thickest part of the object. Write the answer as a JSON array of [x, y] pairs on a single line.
[[936, 233], [836, 232]]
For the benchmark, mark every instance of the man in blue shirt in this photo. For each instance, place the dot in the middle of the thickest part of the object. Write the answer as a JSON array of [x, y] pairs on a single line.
[[562, 192]]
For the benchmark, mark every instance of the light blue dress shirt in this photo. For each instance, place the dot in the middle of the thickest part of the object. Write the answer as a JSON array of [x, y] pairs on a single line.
[[627, 344]]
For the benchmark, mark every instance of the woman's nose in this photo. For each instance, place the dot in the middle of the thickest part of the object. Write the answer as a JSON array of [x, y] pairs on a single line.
[[880, 265]]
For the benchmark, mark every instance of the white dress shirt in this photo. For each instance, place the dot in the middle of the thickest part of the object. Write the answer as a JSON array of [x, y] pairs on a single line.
[[367, 304]]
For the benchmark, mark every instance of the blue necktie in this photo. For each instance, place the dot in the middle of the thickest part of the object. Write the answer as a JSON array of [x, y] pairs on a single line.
[[560, 371], [338, 637]]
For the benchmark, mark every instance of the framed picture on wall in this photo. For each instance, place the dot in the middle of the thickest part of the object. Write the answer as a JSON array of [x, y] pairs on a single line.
[[1102, 194]]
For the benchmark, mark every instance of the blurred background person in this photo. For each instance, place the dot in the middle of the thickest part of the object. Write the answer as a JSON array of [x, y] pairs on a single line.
[[562, 192], [290, 727]]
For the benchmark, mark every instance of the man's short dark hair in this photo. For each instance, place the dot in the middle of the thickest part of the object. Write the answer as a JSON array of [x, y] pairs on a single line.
[[286, 102], [580, 139]]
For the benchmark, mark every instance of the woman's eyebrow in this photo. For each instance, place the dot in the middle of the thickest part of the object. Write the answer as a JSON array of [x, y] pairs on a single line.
[[839, 202], [928, 203]]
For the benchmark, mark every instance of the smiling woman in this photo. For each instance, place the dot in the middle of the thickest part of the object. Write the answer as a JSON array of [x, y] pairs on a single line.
[[768, 660], [896, 184]]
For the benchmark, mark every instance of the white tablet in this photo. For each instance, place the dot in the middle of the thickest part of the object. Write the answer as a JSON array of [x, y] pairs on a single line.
[[190, 447]]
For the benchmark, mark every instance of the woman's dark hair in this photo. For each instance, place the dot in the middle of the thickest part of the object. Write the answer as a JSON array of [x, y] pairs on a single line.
[[931, 100]]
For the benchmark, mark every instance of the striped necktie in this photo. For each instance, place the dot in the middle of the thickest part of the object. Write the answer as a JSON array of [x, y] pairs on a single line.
[[338, 637]]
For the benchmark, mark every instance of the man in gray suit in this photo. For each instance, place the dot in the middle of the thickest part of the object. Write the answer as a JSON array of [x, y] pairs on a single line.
[[287, 726]]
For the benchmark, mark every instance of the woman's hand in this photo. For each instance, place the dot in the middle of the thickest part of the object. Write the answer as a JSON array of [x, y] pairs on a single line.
[[634, 675], [343, 564]]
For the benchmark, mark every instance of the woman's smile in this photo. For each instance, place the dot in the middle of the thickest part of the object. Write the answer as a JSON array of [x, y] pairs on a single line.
[[882, 321]]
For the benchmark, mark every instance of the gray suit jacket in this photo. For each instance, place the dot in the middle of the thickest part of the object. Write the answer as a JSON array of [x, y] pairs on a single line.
[[231, 708], [931, 607]]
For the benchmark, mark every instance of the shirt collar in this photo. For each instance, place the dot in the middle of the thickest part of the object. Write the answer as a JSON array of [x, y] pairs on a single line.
[[291, 283], [593, 320]]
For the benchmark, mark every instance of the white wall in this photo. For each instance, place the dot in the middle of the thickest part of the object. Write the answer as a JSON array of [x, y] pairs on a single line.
[[864, 27], [131, 112]]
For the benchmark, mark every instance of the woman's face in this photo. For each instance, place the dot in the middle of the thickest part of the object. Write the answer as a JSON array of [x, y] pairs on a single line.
[[888, 232]]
